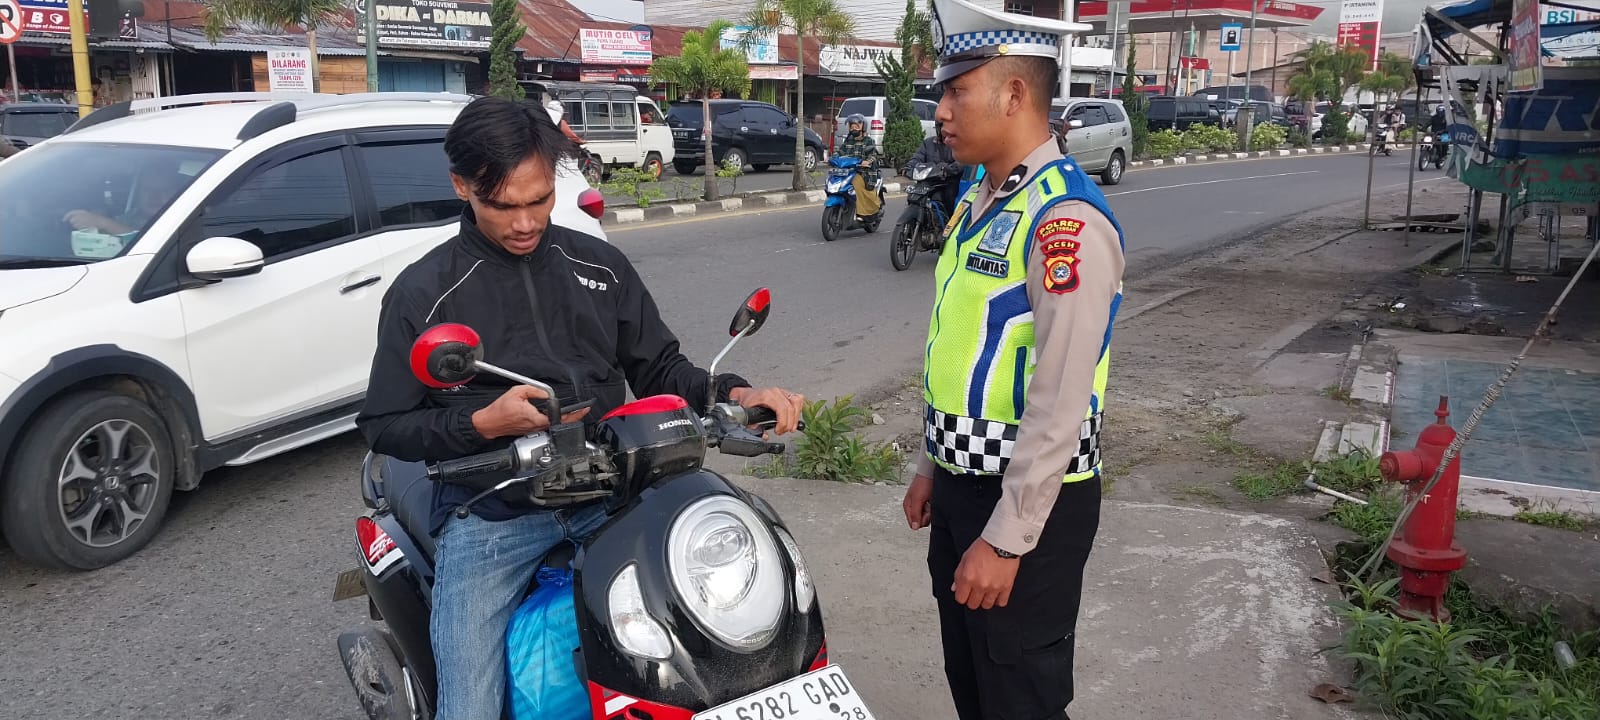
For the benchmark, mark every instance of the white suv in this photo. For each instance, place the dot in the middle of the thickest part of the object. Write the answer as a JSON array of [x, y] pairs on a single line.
[[193, 287]]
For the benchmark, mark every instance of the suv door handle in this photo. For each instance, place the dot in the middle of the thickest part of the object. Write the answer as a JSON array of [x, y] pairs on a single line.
[[363, 282]]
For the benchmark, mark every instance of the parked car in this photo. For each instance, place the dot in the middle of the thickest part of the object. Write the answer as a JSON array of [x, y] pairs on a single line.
[[1179, 113], [1259, 93], [1260, 113], [1102, 140], [620, 127], [220, 310], [748, 132], [26, 124], [875, 109]]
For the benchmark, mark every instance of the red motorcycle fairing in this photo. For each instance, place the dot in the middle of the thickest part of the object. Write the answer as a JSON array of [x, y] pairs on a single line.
[[608, 704]]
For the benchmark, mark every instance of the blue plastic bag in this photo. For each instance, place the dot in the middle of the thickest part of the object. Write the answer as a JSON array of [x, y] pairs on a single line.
[[542, 677]]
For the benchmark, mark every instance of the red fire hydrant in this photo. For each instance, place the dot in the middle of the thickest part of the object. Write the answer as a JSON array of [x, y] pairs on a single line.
[[1426, 550]]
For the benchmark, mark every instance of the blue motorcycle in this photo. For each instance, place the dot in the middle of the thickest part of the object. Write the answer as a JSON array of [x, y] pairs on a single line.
[[839, 211]]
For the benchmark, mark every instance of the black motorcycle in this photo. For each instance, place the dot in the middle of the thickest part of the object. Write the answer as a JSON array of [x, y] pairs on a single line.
[[1435, 149], [921, 225], [692, 601]]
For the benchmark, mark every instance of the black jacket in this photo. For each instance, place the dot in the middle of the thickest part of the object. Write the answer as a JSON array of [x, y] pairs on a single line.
[[932, 152], [573, 314]]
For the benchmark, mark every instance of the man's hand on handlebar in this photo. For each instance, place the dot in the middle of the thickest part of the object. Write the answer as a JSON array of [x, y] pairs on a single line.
[[786, 405], [514, 414]]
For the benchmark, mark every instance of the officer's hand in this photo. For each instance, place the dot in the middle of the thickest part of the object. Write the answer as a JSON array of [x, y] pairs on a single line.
[[514, 413], [786, 405], [984, 579], [919, 502]]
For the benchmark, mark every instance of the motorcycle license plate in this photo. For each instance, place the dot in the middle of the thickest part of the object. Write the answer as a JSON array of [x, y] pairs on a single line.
[[818, 695]]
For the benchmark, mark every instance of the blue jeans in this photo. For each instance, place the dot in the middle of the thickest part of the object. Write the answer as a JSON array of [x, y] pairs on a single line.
[[482, 568]]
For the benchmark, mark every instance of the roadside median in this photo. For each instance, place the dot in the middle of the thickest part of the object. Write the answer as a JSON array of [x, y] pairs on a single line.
[[766, 199]]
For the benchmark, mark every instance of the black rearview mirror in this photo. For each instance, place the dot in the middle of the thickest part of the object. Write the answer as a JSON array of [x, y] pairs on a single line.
[[752, 314]]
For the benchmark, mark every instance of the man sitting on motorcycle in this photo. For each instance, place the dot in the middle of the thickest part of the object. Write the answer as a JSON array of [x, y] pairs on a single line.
[[858, 144], [510, 275], [1438, 124], [934, 152]]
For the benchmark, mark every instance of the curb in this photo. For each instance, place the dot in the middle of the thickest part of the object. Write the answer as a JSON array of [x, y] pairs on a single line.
[[1229, 156], [632, 215]]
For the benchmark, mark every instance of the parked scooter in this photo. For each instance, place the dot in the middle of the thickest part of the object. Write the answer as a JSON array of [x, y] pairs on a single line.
[[839, 210], [1435, 149], [692, 601], [921, 225]]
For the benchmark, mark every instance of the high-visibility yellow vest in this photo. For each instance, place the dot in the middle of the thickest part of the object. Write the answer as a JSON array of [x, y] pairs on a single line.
[[980, 355]]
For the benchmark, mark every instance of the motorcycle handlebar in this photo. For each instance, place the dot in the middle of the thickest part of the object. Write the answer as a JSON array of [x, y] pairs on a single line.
[[462, 468]]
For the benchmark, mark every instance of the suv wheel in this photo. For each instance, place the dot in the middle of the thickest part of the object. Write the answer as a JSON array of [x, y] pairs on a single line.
[[811, 158], [90, 482], [1113, 171], [735, 156], [684, 167]]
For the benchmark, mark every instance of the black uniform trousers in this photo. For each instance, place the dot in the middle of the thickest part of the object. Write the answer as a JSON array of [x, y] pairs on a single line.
[[1012, 662]]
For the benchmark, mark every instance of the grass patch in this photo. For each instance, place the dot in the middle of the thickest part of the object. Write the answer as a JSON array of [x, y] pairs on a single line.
[[1200, 493], [1286, 478], [830, 449], [1337, 392], [1353, 472], [1480, 665], [1220, 439], [1559, 519], [1372, 521]]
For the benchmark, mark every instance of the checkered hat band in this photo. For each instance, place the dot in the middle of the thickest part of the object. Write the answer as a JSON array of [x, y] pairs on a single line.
[[967, 42], [984, 447]]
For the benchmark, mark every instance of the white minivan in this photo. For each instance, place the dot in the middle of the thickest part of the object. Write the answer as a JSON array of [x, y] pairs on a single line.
[[620, 127]]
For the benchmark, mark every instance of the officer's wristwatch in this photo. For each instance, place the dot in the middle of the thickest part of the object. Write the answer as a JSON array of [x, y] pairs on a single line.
[[1005, 554]]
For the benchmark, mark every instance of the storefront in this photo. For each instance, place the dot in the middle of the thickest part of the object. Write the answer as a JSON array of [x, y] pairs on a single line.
[[844, 71], [418, 42], [126, 68]]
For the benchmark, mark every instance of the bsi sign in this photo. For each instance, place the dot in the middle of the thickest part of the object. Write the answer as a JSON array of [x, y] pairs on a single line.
[[851, 59]]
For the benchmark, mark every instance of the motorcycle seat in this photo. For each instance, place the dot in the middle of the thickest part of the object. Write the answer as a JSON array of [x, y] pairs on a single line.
[[410, 495]]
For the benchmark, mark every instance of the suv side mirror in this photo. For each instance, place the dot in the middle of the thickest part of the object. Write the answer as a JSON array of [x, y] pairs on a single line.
[[1074, 124], [220, 258]]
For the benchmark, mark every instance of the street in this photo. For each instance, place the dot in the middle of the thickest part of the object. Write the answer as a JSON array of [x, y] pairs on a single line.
[[228, 613]]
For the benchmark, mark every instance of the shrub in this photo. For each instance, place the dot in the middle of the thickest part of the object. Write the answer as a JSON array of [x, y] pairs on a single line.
[[1267, 137], [1298, 138], [829, 449], [1210, 138], [634, 183], [1165, 144]]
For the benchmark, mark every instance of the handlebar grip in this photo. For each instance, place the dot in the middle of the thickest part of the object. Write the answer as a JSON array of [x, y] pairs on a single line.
[[763, 415], [462, 468]]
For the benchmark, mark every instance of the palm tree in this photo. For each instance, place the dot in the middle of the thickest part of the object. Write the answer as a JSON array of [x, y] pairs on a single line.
[[1327, 72], [820, 19], [701, 69], [220, 15], [1392, 78]]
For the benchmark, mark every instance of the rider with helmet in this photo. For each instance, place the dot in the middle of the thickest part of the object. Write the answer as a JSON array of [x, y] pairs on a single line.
[[557, 115], [934, 152], [858, 144], [1437, 123]]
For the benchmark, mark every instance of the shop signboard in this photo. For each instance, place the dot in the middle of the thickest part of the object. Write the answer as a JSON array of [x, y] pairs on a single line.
[[1230, 37], [852, 59], [615, 47], [50, 17], [1360, 22], [774, 72], [453, 24], [762, 51]]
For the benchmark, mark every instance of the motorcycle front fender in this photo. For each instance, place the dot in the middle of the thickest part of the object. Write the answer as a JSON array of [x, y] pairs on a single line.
[[912, 212], [834, 201]]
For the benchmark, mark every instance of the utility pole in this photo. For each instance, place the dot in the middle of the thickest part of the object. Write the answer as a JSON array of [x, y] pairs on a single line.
[[1068, 12], [372, 46], [1116, 16], [80, 57], [1247, 110]]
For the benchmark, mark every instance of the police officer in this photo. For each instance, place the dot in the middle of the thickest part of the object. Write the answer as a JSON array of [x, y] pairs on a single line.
[[1027, 290]]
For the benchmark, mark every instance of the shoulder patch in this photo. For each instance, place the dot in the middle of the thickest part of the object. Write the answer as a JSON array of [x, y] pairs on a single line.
[[1060, 255]]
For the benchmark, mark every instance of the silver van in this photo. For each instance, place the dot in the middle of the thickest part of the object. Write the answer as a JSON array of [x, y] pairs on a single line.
[[1099, 136], [876, 110]]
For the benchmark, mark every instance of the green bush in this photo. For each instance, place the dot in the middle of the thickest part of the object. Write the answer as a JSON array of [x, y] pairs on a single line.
[[829, 449], [1165, 144], [1298, 138], [1267, 137], [1209, 138], [634, 183]]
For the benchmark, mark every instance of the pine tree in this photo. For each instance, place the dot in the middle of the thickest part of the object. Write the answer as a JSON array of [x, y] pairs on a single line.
[[508, 30]]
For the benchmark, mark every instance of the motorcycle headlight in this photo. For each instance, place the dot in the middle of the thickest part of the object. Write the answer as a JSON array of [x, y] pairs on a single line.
[[921, 173], [725, 568], [804, 591], [636, 631], [1427, 138]]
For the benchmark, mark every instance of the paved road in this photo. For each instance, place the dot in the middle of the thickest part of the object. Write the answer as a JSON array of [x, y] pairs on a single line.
[[227, 614]]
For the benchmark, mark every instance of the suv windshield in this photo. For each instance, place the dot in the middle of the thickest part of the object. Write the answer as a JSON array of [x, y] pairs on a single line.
[[82, 202]]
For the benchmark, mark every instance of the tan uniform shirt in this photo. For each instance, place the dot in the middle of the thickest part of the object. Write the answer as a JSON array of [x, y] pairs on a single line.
[[1069, 328]]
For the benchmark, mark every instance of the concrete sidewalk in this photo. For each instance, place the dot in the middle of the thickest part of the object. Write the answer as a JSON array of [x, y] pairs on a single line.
[[1190, 613]]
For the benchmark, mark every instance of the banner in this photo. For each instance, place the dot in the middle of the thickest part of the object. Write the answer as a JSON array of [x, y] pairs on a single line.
[[851, 59], [614, 47], [454, 24], [1553, 120], [1524, 41], [289, 70], [1360, 22], [1573, 179], [762, 51]]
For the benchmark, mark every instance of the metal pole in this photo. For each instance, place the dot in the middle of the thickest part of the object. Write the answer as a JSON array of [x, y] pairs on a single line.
[[1067, 13], [16, 88], [1366, 209], [80, 57], [1111, 84], [1249, 65], [1411, 171], [372, 46], [1172, 41]]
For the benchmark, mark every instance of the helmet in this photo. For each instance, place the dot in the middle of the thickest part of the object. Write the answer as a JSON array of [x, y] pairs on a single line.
[[556, 109], [855, 118]]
